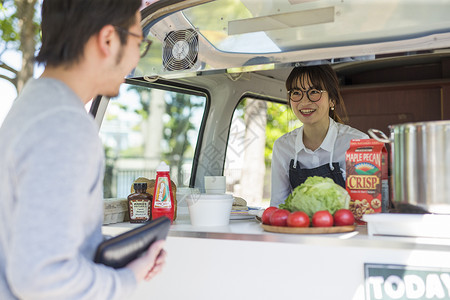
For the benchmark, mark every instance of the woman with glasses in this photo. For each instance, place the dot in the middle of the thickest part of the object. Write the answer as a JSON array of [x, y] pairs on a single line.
[[318, 147]]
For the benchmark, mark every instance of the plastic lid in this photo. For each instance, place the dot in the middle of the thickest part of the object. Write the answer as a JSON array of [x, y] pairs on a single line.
[[163, 167]]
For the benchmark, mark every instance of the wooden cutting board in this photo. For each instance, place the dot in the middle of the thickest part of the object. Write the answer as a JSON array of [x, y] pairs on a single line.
[[309, 230]]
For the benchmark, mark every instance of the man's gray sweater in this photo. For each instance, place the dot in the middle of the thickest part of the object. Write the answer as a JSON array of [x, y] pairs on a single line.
[[51, 200]]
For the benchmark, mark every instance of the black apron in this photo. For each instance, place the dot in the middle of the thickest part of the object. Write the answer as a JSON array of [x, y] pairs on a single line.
[[298, 175]]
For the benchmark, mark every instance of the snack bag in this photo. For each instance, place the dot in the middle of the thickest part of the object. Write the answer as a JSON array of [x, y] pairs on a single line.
[[367, 177]]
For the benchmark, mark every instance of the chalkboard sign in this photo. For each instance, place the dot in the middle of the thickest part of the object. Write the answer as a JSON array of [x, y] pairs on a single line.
[[386, 282]]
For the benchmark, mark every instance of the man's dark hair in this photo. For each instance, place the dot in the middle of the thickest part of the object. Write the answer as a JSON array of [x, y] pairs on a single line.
[[67, 25]]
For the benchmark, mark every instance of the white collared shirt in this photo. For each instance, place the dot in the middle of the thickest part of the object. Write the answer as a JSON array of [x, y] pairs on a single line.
[[290, 146]]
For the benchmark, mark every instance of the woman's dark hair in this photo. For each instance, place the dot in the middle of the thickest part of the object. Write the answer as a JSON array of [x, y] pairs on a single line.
[[322, 77], [67, 25]]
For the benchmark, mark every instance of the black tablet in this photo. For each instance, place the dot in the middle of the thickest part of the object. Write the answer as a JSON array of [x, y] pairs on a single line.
[[118, 251]]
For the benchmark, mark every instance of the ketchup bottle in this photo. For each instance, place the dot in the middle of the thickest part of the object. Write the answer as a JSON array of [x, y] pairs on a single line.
[[163, 196]]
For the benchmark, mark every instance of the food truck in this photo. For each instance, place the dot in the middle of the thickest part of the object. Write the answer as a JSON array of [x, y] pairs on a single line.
[[209, 99]]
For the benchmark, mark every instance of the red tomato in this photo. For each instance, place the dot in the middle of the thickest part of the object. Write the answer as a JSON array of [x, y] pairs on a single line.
[[267, 213], [298, 219], [343, 217], [322, 218], [279, 217]]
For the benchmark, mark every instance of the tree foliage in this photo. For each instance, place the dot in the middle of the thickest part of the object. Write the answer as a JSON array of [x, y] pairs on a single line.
[[19, 30], [180, 108], [280, 120]]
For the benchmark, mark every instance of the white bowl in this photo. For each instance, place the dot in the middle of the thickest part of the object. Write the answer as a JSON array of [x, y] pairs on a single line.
[[210, 210]]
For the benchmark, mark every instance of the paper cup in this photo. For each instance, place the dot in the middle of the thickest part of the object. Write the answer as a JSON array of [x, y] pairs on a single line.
[[215, 184]]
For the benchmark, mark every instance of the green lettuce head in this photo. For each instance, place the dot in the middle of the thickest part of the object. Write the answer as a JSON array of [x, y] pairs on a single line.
[[317, 193]]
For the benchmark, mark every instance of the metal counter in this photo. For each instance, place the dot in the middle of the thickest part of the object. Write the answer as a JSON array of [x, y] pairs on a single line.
[[241, 261]]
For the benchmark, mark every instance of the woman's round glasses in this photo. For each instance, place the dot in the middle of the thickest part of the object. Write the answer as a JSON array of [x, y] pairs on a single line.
[[145, 43], [313, 95]]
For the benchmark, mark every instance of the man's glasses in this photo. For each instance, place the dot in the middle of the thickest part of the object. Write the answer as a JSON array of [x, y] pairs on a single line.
[[145, 43], [313, 95]]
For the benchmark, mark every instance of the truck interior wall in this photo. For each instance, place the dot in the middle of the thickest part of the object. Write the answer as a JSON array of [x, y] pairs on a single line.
[[382, 97]]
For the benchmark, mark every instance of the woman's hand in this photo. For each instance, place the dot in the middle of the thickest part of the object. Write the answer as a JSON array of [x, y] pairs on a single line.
[[150, 263]]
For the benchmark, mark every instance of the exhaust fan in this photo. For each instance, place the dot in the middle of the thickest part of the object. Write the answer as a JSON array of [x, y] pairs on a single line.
[[180, 50]]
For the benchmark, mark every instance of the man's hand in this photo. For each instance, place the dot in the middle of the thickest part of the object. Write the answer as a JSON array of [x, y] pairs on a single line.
[[150, 263]]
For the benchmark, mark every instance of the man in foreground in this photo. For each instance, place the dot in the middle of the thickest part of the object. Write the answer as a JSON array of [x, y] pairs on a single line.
[[52, 161]]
